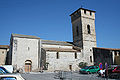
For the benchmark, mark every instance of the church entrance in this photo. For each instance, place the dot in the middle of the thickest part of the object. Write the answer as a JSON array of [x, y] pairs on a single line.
[[28, 65]]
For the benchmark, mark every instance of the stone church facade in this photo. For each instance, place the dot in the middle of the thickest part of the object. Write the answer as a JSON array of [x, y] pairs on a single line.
[[30, 53]]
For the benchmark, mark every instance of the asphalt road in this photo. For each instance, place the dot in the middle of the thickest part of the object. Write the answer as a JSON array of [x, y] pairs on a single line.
[[65, 76]]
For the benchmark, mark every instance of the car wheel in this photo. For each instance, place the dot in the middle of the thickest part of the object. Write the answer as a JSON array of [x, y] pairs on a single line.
[[97, 72], [89, 72]]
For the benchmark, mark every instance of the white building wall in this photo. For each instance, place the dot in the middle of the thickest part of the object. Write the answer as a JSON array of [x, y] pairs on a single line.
[[25, 49]]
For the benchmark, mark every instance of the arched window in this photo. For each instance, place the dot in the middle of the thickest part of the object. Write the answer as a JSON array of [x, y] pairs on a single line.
[[90, 58], [84, 11], [90, 13], [88, 29], [75, 55], [77, 31], [57, 55]]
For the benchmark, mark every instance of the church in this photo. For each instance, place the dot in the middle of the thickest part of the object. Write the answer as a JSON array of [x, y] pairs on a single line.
[[31, 53]]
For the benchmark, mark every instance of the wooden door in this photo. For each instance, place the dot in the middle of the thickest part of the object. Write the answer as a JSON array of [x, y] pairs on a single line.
[[27, 67]]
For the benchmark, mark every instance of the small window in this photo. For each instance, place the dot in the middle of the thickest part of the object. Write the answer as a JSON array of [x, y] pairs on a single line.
[[75, 55], [90, 13], [90, 58], [84, 11], [3, 52], [28, 48], [57, 55], [77, 31], [88, 29], [90, 49], [70, 67], [92, 67]]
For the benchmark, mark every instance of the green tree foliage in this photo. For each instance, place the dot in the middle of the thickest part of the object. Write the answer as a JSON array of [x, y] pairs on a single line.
[[82, 64]]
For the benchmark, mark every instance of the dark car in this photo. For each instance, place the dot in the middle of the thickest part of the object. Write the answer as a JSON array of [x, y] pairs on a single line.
[[3, 70], [89, 69], [116, 70], [113, 72]]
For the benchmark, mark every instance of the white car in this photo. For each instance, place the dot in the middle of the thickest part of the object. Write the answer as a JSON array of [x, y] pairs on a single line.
[[11, 77]]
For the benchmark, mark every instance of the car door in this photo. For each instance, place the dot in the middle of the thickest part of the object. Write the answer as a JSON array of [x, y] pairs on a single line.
[[92, 69], [96, 68]]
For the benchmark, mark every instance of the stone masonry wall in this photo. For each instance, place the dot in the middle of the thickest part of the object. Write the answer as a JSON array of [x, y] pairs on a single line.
[[65, 60], [25, 49], [3, 53]]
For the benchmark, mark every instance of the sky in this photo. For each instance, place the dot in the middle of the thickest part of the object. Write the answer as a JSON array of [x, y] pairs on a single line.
[[50, 20]]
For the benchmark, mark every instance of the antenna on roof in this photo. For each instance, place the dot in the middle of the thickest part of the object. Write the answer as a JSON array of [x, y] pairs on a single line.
[[81, 6], [82, 3]]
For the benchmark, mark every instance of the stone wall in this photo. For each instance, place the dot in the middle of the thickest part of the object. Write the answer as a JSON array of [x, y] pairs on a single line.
[[61, 60], [3, 55], [25, 49], [81, 19], [64, 61]]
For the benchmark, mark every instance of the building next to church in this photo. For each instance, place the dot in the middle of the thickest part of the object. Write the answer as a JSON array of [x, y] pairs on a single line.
[[3, 54], [109, 55], [30, 53]]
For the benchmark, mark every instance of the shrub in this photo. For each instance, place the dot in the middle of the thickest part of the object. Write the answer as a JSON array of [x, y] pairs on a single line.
[[82, 64]]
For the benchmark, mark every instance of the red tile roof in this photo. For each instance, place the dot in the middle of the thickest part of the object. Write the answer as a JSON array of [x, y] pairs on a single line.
[[4, 46]]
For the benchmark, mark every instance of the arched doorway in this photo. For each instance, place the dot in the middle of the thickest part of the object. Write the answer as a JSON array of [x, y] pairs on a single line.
[[28, 66]]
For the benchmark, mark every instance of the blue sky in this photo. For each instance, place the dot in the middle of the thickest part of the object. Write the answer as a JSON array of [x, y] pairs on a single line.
[[50, 20]]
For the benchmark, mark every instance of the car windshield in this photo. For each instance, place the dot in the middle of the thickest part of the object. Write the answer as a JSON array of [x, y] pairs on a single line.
[[4, 69], [86, 67]]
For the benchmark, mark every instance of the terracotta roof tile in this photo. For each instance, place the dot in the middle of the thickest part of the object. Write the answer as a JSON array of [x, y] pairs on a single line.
[[25, 36], [4, 46]]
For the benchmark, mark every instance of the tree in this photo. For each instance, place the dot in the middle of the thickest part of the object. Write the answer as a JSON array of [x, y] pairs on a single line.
[[82, 64]]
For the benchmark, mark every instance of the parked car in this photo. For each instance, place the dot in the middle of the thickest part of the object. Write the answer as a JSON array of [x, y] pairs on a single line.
[[9, 68], [3, 70], [11, 77], [116, 70], [113, 71], [89, 69]]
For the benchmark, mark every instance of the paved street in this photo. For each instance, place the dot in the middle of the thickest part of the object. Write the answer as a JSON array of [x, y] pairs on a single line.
[[69, 76]]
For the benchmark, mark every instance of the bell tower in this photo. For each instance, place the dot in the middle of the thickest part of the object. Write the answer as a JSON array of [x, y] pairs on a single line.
[[83, 27]]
